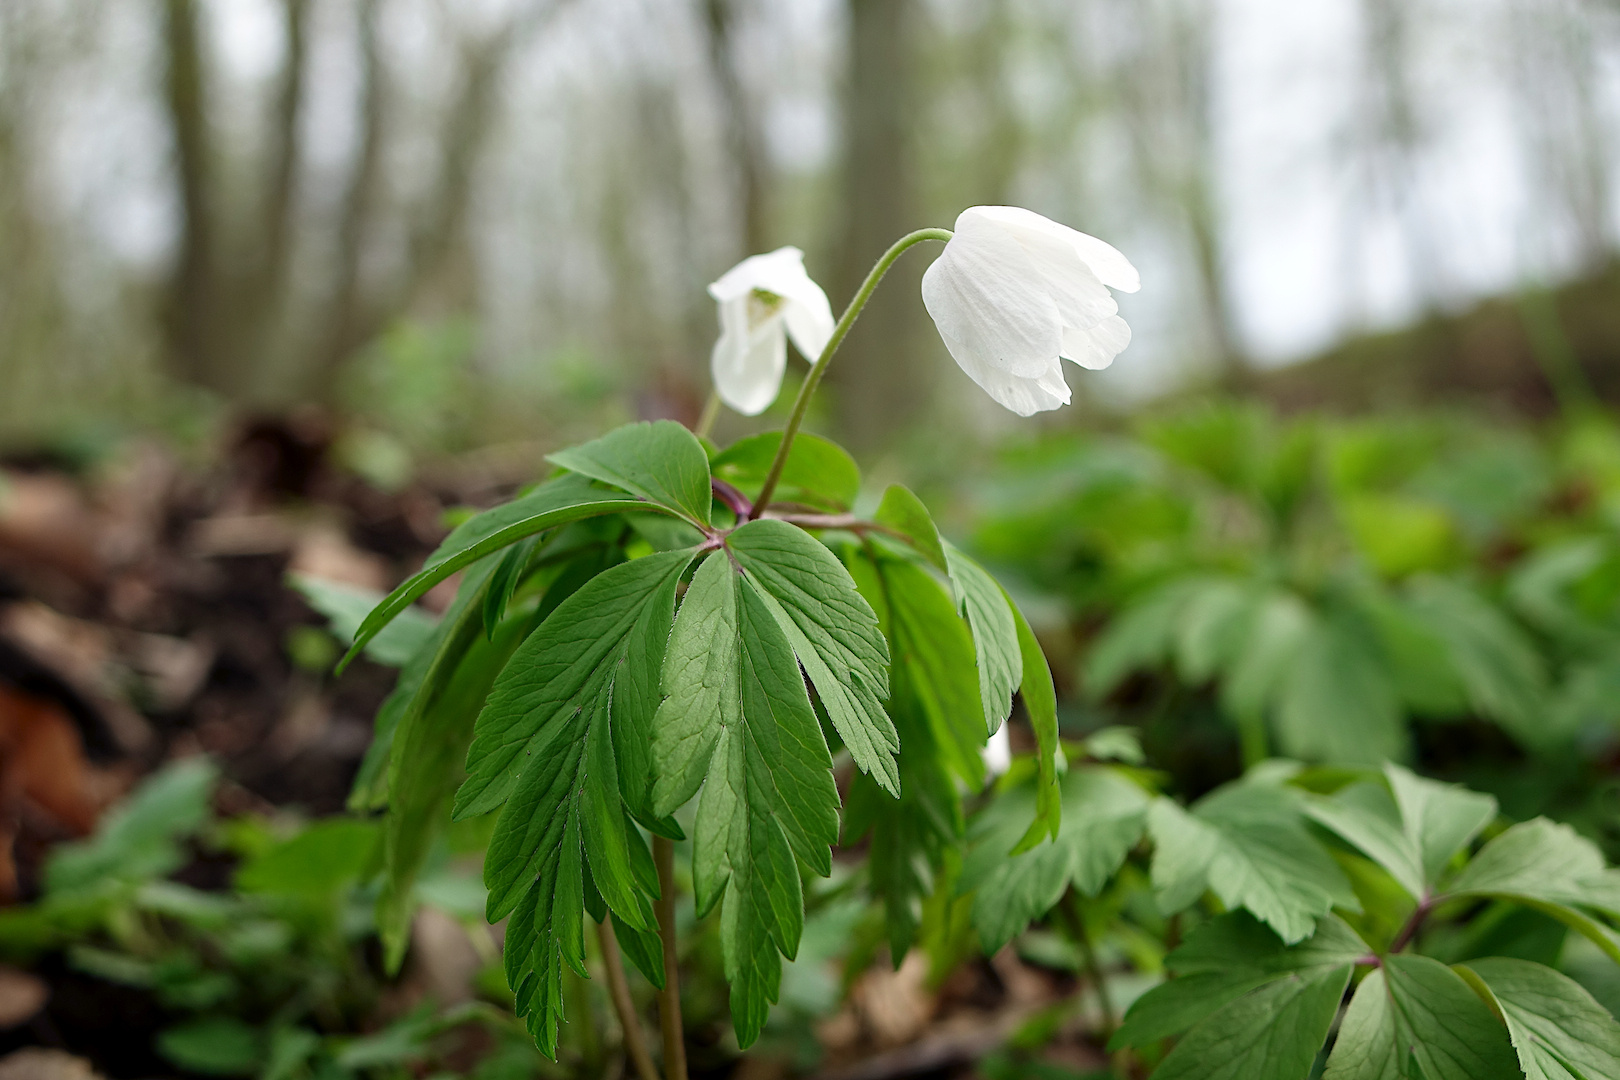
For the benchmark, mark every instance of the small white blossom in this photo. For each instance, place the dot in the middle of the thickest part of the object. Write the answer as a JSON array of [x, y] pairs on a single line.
[[997, 753], [759, 298], [1014, 292]]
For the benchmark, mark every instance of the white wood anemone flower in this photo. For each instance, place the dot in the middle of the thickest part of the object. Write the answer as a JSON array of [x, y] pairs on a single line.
[[760, 298], [1015, 293]]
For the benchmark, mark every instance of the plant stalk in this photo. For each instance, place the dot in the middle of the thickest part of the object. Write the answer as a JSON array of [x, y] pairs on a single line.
[[669, 998], [711, 412], [819, 368], [635, 1047], [1088, 961]]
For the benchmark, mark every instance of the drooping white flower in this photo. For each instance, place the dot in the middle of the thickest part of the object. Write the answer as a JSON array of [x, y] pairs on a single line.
[[1013, 292], [759, 298]]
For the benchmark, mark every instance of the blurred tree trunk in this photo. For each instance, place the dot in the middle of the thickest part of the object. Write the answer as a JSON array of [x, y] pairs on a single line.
[[743, 141], [879, 384], [194, 300], [267, 281], [1167, 95], [346, 324], [437, 259]]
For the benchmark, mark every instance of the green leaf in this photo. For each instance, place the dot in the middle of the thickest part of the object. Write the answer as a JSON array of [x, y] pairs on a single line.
[[504, 581], [1247, 843], [346, 607], [140, 839], [643, 948], [903, 512], [1337, 704], [931, 650], [1210, 629], [1418, 1010], [996, 644], [661, 462], [1558, 1030], [1273, 1033], [214, 1046], [1104, 815], [1224, 959], [834, 634], [1040, 700], [913, 837], [1140, 636], [817, 472], [737, 720], [1547, 866], [319, 862], [568, 498], [434, 730], [1412, 829], [1499, 666], [1364, 815], [1277, 623], [1440, 819], [614, 622]]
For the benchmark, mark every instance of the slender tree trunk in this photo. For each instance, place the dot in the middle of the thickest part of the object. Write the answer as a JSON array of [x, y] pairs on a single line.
[[879, 385], [266, 284], [345, 322], [193, 300], [742, 131]]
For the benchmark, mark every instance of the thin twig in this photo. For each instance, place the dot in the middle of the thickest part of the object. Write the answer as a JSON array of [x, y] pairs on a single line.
[[669, 998], [619, 991]]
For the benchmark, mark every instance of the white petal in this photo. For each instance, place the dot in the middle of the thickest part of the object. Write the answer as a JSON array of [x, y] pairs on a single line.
[[1111, 267], [1024, 396], [1096, 346], [747, 363], [986, 293], [809, 322], [997, 753], [1081, 299]]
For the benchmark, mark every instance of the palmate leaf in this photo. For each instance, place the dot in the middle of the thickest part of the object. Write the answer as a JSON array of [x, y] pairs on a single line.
[[1558, 1031], [1412, 827], [1247, 842], [1416, 1018], [556, 743], [1273, 1033], [1226, 958], [737, 721], [433, 728], [1104, 816]]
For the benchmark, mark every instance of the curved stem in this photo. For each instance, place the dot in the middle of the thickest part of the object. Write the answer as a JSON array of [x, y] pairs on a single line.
[[669, 998], [711, 412], [635, 1047], [819, 368]]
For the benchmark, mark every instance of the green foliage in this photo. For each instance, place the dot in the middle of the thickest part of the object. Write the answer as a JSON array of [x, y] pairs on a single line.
[[644, 656], [1257, 990], [266, 979]]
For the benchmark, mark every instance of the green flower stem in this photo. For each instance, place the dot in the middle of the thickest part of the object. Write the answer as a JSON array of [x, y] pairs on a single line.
[[811, 381], [711, 412]]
